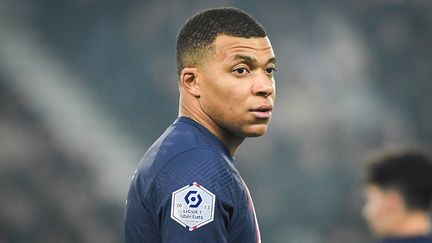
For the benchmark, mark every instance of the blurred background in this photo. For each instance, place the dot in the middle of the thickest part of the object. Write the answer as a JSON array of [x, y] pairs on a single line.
[[86, 86]]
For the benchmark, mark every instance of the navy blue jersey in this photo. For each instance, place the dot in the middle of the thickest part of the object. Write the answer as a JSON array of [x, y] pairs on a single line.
[[186, 189], [410, 239]]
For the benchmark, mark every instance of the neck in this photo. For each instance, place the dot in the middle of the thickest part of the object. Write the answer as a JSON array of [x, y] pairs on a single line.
[[230, 141], [414, 223]]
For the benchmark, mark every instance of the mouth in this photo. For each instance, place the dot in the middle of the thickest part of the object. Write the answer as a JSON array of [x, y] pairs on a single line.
[[262, 112]]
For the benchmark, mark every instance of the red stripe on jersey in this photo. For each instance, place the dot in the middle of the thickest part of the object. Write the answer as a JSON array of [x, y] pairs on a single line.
[[258, 234]]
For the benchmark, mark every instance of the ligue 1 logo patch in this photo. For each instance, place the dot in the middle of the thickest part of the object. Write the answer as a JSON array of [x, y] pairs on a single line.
[[193, 206]]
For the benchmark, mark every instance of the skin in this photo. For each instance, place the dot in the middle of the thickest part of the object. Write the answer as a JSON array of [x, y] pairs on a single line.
[[387, 215], [232, 91]]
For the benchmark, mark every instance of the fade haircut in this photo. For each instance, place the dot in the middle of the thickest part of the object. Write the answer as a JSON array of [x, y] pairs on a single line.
[[199, 32], [408, 171]]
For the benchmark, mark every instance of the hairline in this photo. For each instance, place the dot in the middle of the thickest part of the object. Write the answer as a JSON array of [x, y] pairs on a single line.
[[203, 52]]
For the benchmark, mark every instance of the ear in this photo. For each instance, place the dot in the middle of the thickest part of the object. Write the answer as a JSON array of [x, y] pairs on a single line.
[[395, 200], [189, 81]]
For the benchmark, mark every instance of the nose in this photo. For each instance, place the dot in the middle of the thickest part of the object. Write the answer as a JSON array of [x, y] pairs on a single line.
[[264, 85]]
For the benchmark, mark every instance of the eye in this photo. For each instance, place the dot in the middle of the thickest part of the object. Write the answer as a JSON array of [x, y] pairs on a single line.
[[241, 70], [270, 70]]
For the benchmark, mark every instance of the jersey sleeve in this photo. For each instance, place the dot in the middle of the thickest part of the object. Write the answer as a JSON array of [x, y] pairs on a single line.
[[139, 221], [195, 198]]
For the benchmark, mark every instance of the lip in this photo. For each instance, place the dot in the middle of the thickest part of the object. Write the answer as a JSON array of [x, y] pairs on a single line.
[[263, 112]]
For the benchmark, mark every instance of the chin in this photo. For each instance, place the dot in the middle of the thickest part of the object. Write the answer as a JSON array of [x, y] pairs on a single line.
[[254, 135], [256, 131]]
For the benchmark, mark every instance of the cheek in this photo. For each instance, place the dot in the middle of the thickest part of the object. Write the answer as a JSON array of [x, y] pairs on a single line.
[[217, 102], [226, 93], [377, 216], [368, 210], [373, 209]]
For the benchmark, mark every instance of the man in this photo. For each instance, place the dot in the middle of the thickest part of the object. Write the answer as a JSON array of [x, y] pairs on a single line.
[[399, 195], [186, 187]]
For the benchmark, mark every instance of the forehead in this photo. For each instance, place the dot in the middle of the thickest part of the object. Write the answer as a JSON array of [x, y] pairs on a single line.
[[228, 46]]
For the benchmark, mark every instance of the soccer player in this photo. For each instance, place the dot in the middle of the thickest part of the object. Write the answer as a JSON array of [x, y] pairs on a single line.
[[398, 196], [186, 187]]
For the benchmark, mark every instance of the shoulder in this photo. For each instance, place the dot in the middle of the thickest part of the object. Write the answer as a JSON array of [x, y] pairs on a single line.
[[185, 151], [175, 167], [184, 155], [205, 166], [178, 140], [202, 166]]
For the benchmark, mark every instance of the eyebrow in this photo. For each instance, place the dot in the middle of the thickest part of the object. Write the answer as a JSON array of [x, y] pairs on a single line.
[[252, 61]]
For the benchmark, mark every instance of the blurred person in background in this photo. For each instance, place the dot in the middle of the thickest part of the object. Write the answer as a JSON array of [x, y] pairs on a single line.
[[398, 195], [186, 187]]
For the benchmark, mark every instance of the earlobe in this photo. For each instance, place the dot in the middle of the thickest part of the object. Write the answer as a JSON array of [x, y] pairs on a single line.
[[189, 81]]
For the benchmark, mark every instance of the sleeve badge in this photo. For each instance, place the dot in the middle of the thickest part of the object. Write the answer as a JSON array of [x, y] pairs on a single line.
[[193, 206]]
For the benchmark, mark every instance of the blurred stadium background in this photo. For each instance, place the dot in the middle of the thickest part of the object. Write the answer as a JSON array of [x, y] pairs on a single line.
[[87, 85]]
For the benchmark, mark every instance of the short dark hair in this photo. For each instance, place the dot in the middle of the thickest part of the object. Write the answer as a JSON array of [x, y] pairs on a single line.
[[409, 171], [199, 32]]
